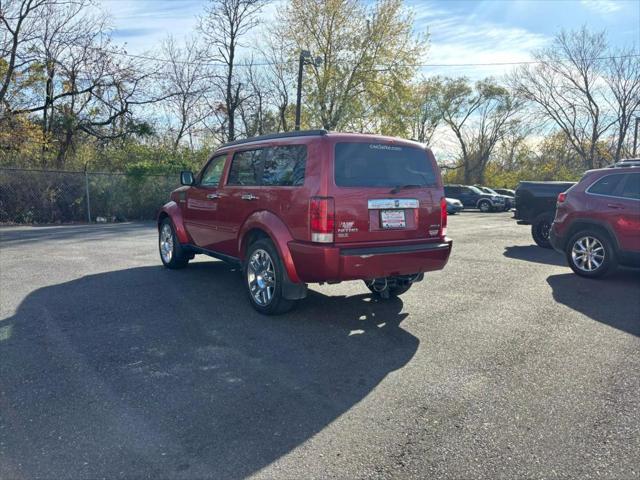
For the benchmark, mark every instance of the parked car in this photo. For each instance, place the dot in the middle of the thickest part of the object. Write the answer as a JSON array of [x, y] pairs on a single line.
[[312, 207], [511, 194], [454, 206], [597, 222], [509, 202], [506, 191], [472, 197], [536, 206]]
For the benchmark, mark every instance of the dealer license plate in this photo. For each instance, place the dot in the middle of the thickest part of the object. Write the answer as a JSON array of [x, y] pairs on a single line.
[[392, 219]]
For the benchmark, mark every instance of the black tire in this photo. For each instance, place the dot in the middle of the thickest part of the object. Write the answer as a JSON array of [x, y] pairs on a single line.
[[540, 231], [172, 254], [276, 304], [485, 206], [602, 245]]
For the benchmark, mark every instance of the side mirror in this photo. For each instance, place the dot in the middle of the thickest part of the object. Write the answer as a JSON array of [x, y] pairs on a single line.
[[186, 178]]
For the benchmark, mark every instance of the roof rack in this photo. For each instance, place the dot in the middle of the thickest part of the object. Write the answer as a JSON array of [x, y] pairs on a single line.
[[274, 136], [628, 162]]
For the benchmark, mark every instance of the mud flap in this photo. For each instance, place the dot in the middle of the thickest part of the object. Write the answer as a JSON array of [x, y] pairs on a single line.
[[293, 291]]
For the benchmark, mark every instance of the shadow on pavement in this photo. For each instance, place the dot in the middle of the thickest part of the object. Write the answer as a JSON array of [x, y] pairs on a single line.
[[536, 254], [153, 373], [22, 235], [596, 298]]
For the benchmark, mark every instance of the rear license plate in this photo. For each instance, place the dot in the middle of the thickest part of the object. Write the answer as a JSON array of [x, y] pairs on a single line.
[[392, 219]]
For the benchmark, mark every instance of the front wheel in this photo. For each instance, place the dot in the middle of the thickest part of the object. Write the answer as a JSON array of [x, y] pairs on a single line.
[[264, 277], [485, 206], [172, 254], [590, 254]]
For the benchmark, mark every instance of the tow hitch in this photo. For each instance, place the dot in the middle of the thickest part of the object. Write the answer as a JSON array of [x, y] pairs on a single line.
[[383, 286]]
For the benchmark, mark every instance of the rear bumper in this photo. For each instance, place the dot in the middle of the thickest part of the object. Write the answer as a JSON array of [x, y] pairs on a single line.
[[319, 263], [556, 241]]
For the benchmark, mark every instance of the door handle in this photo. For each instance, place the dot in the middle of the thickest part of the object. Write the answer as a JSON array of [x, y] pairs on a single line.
[[616, 206], [248, 196], [213, 196]]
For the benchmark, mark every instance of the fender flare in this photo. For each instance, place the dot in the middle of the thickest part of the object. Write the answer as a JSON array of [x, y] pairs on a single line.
[[278, 233], [580, 223], [173, 211]]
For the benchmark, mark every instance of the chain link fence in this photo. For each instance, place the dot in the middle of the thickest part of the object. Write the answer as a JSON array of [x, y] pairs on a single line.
[[49, 196]]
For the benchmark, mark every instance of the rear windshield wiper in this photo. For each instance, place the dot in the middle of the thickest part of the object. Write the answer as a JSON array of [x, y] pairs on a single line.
[[405, 187]]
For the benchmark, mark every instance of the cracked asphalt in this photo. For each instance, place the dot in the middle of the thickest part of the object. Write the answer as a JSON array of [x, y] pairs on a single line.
[[503, 365]]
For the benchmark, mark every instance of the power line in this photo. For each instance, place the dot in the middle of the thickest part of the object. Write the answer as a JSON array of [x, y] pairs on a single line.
[[291, 62]]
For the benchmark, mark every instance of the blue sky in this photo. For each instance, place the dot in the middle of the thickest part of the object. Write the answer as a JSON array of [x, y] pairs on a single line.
[[461, 31]]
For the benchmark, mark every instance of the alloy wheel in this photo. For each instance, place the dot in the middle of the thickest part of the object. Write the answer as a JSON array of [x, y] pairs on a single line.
[[588, 253], [166, 243], [261, 277]]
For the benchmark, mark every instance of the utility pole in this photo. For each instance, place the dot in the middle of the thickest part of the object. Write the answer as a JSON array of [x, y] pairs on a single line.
[[635, 138], [304, 59], [304, 54]]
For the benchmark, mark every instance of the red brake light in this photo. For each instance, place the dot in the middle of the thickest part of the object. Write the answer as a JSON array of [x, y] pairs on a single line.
[[562, 197], [443, 216], [322, 219]]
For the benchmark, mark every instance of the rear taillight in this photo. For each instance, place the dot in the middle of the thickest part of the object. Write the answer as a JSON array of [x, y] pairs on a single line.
[[562, 197], [322, 219], [443, 217]]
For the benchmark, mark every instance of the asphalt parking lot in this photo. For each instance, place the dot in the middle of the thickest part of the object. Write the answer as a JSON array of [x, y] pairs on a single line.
[[503, 365]]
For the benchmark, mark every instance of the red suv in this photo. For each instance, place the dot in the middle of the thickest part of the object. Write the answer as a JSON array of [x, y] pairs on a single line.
[[312, 207], [597, 223]]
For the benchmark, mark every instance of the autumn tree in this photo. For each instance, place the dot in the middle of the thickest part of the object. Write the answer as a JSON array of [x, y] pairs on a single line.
[[364, 49]]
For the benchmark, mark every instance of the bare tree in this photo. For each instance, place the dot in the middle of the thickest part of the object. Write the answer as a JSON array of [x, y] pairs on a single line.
[[427, 115], [623, 78], [187, 80], [480, 117], [254, 109], [224, 24], [282, 74], [80, 82], [567, 86], [20, 20]]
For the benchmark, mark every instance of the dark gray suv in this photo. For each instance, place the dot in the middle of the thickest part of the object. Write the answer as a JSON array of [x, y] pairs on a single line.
[[473, 197]]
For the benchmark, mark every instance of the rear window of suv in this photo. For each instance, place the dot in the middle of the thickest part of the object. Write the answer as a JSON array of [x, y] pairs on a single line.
[[381, 165]]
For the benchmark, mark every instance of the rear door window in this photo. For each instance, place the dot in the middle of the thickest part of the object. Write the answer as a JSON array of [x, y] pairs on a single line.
[[381, 165], [606, 185], [246, 168], [284, 166]]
